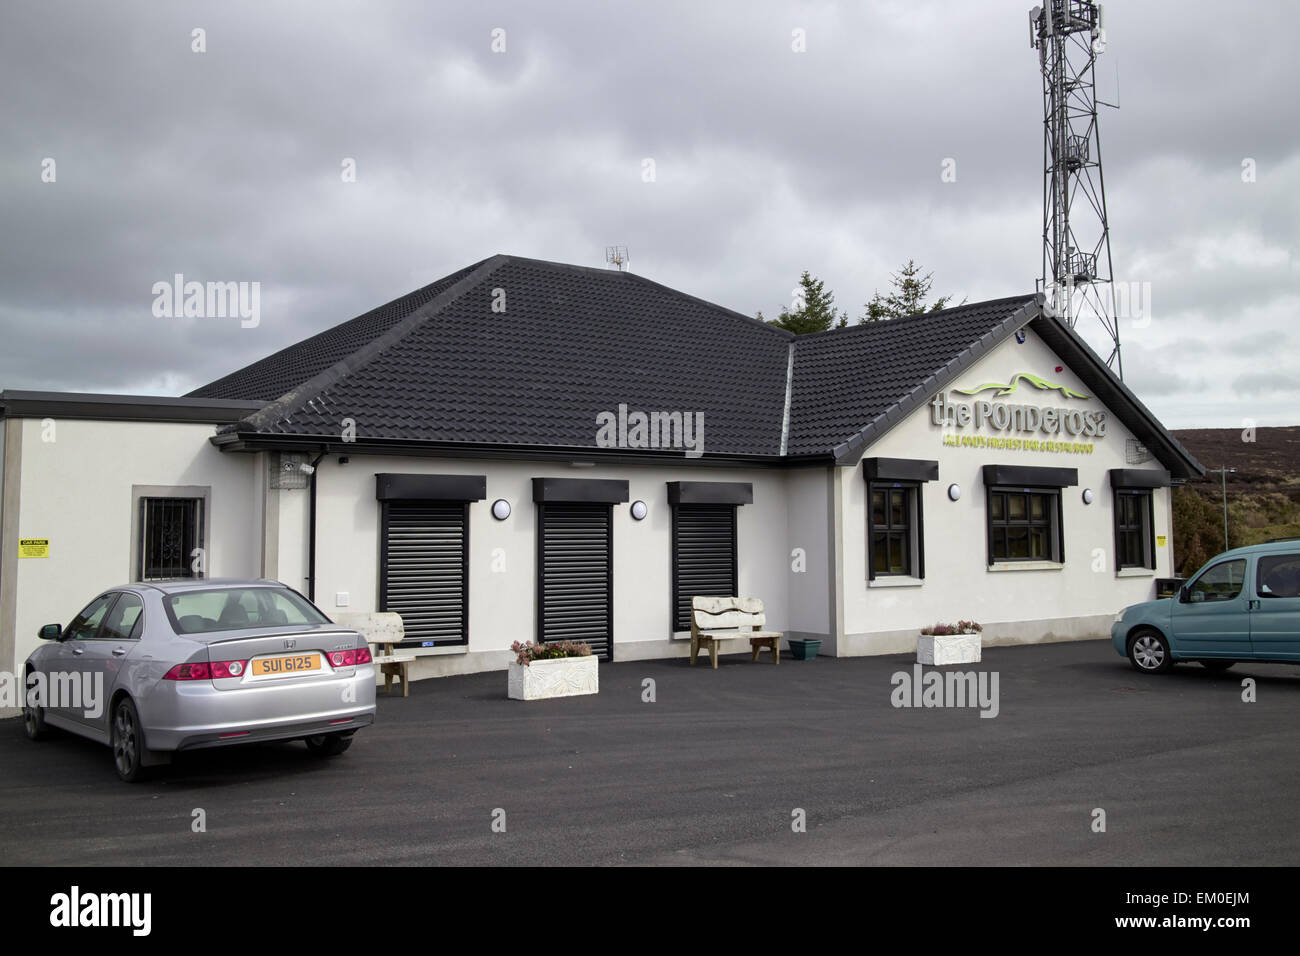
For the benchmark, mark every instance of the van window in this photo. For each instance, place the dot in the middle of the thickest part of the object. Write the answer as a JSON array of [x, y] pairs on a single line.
[[1219, 583], [1278, 576]]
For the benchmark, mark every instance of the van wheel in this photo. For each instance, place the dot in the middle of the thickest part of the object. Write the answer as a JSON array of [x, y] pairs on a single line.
[[34, 720], [1148, 651], [127, 741], [1217, 666], [328, 745]]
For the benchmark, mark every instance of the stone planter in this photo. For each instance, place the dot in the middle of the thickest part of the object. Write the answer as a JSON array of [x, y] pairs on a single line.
[[559, 677], [948, 649]]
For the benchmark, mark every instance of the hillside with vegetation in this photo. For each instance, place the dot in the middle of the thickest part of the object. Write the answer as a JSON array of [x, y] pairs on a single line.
[[1263, 493]]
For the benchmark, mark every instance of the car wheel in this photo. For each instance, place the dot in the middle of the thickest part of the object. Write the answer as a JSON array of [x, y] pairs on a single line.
[[127, 741], [329, 745], [1148, 651], [1217, 666], [34, 720]]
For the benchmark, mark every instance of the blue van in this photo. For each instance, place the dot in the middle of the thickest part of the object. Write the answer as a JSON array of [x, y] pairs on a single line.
[[1243, 605]]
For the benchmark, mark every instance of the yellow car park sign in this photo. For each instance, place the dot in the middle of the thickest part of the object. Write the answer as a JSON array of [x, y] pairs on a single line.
[[33, 547]]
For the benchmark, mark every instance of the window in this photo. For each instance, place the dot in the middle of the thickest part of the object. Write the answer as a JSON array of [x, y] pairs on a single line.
[[895, 530], [1134, 544], [126, 620], [704, 556], [1222, 582], [228, 609], [423, 569], [1278, 576], [1024, 524], [86, 624], [171, 538]]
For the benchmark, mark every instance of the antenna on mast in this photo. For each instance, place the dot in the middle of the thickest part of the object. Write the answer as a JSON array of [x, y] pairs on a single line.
[[617, 257], [1077, 276]]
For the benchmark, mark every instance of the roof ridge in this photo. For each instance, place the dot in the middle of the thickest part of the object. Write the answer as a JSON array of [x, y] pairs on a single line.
[[914, 316], [305, 392], [635, 277], [730, 313]]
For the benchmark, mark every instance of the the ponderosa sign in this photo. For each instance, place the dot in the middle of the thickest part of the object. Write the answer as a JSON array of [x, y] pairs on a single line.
[[1005, 416]]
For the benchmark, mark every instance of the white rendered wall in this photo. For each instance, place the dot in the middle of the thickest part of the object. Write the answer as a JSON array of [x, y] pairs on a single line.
[[1075, 601], [77, 491], [502, 589]]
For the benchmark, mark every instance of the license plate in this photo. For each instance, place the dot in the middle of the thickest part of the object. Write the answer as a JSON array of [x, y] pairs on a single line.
[[285, 664]]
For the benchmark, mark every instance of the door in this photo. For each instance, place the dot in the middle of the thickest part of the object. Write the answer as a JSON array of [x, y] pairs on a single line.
[[1275, 607], [1214, 620], [105, 656], [65, 679], [575, 575]]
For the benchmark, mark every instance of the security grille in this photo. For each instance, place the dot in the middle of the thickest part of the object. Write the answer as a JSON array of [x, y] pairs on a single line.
[[171, 535], [575, 575], [704, 557], [423, 570]]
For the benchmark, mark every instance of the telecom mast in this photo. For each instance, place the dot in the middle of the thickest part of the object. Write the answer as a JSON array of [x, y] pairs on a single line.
[[1076, 276]]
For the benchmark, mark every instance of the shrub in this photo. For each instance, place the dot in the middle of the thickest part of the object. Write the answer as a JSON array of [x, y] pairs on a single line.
[[528, 652], [945, 630]]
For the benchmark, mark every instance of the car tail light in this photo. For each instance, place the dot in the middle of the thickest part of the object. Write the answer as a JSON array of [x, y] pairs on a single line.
[[228, 668], [198, 671], [351, 658]]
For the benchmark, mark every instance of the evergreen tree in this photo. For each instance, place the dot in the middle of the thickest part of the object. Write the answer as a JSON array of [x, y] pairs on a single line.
[[818, 313], [911, 290]]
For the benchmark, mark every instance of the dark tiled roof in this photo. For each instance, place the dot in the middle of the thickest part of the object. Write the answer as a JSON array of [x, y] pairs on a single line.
[[269, 378], [846, 380], [440, 368], [571, 343]]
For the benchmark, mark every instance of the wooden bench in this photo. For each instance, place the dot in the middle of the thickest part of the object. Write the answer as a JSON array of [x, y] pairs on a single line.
[[716, 619], [384, 631]]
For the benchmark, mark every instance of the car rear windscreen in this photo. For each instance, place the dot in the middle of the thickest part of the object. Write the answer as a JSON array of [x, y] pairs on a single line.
[[228, 609]]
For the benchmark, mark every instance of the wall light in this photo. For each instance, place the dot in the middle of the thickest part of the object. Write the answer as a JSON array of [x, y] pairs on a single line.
[[501, 509], [1087, 496], [639, 510], [954, 491]]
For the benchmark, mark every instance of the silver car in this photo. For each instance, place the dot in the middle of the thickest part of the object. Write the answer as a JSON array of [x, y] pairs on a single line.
[[151, 669]]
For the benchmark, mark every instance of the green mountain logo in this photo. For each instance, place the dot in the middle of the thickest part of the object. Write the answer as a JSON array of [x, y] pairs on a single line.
[[1016, 380]]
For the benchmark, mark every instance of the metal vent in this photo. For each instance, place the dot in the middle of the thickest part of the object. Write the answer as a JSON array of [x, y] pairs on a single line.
[[1136, 453]]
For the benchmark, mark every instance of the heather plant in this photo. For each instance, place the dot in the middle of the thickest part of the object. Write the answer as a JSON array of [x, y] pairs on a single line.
[[527, 652], [945, 630]]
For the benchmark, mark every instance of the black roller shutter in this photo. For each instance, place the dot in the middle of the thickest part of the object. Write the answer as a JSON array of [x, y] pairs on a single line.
[[423, 571], [704, 557], [575, 587]]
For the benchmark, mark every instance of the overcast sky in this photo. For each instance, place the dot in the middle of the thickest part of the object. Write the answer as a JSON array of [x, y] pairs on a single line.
[[226, 165]]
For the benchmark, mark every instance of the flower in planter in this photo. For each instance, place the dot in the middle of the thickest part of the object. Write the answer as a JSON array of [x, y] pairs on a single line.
[[946, 630], [527, 652]]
